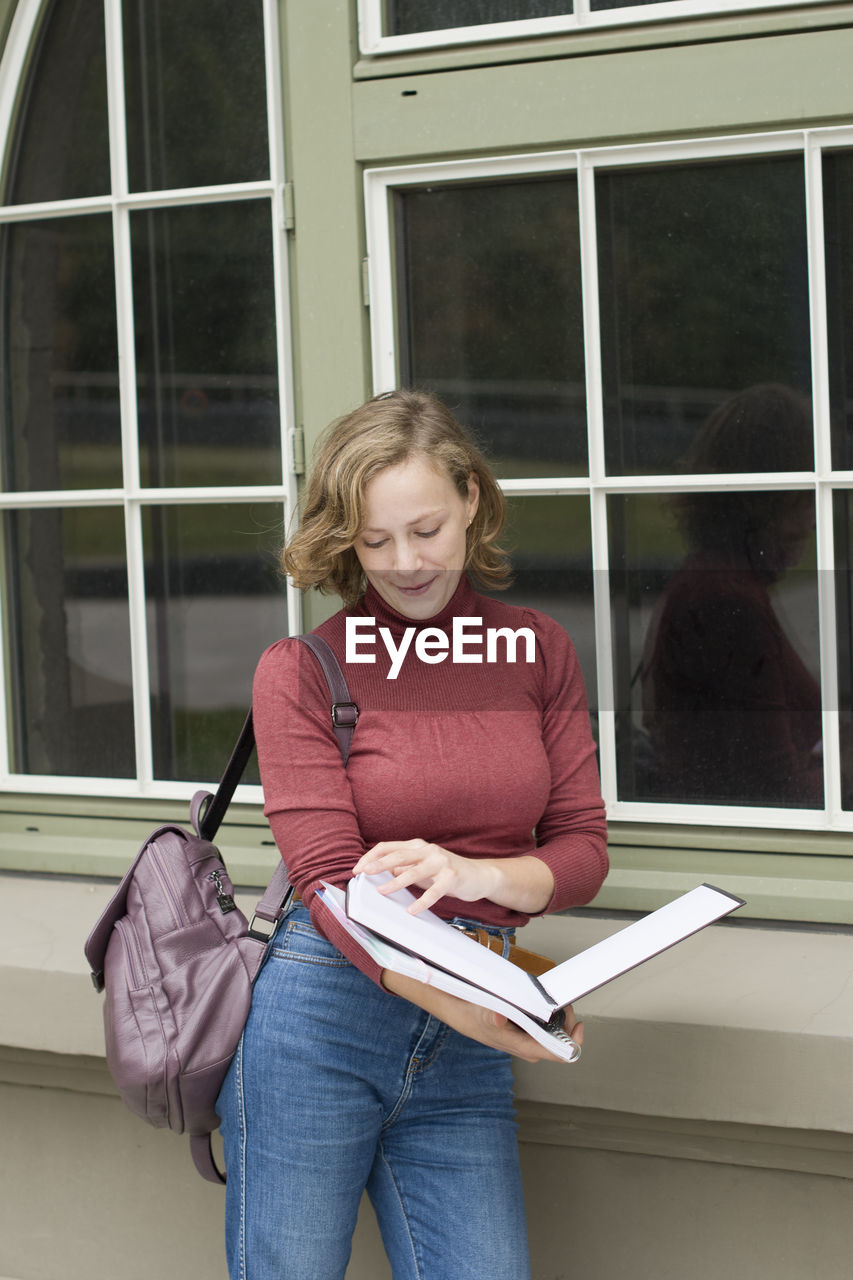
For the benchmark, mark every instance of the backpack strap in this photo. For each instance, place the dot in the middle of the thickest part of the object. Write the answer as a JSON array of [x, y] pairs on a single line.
[[207, 817], [344, 710], [201, 1150], [279, 891]]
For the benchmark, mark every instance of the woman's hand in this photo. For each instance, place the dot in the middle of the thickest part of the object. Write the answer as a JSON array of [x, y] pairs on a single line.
[[437, 871], [523, 883], [471, 1020]]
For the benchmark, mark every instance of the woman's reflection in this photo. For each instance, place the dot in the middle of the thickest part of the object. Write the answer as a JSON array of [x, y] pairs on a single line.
[[731, 712]]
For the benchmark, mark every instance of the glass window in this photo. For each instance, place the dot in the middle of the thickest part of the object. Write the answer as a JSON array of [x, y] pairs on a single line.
[[391, 26], [552, 570], [206, 356], [214, 603], [68, 642], [703, 276], [699, 630], [838, 218], [716, 657], [139, 352], [59, 353], [196, 99], [61, 149], [405, 16], [490, 316]]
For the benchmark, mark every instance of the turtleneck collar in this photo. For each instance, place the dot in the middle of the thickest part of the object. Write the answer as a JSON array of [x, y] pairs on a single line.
[[462, 603]]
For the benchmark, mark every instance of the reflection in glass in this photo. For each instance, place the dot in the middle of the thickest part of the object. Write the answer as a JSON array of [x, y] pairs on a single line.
[[61, 149], [838, 241], [68, 638], [195, 88], [703, 281], [215, 601], [61, 426], [842, 506], [552, 570], [490, 316], [405, 17], [715, 618], [206, 348]]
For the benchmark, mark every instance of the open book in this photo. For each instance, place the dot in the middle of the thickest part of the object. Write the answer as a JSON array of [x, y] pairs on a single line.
[[427, 948]]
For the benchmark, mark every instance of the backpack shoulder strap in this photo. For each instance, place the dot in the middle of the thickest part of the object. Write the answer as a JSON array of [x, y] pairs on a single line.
[[344, 710], [272, 905], [344, 719]]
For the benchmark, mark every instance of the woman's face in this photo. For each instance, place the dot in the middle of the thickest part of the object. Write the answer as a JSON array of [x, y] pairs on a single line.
[[412, 544]]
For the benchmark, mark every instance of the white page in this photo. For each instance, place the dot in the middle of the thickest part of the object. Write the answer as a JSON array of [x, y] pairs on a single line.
[[637, 942], [390, 957], [437, 941]]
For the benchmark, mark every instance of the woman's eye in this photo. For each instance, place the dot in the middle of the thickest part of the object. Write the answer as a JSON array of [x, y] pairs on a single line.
[[374, 546], [430, 533]]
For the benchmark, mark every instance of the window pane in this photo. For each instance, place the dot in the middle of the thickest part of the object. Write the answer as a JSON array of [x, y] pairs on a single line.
[[404, 17], [61, 149], [215, 601], [704, 291], [596, 5], [196, 97], [206, 345], [838, 217], [714, 599], [61, 420], [843, 519], [552, 566], [490, 316], [68, 642]]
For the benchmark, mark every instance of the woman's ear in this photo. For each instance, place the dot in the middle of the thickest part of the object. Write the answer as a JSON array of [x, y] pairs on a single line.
[[473, 496]]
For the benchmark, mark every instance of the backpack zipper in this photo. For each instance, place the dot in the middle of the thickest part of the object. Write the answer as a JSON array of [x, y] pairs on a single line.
[[224, 900], [134, 965]]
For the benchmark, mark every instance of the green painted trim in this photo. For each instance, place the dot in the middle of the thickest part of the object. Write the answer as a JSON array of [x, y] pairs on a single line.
[[640, 35], [780, 881], [775, 886], [330, 333], [738, 86]]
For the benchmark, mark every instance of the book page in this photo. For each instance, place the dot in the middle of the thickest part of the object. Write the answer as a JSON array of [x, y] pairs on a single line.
[[637, 942], [391, 957], [438, 942]]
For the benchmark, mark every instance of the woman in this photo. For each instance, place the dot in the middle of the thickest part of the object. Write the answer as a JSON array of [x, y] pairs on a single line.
[[337, 1085]]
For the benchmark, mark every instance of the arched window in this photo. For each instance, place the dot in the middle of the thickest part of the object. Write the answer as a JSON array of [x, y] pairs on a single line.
[[145, 386]]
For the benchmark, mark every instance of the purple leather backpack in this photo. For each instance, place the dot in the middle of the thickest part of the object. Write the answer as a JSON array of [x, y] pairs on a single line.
[[177, 959]]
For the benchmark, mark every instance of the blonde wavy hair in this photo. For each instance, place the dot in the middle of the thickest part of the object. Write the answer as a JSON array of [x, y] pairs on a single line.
[[385, 431]]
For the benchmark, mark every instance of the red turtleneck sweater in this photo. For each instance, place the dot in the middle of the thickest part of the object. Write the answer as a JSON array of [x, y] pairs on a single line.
[[473, 757]]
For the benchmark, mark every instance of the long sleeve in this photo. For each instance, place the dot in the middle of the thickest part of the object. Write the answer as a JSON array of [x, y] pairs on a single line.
[[489, 760]]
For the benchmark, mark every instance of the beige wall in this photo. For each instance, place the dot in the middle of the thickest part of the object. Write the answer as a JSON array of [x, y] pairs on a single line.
[[707, 1130]]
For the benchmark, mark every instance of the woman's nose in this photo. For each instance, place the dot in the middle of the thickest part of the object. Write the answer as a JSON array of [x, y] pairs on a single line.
[[407, 555]]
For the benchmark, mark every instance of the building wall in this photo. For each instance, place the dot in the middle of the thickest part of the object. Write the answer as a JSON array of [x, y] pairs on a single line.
[[709, 1126]]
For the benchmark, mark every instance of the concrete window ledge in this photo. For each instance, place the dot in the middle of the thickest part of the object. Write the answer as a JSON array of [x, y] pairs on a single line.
[[740, 1039]]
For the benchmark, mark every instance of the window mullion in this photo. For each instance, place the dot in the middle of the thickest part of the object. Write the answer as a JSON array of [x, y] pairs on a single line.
[[127, 393], [284, 346], [598, 493]]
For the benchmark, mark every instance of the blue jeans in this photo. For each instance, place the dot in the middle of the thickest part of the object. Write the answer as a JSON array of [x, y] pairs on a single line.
[[337, 1087]]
